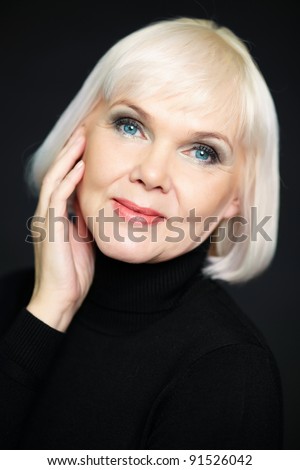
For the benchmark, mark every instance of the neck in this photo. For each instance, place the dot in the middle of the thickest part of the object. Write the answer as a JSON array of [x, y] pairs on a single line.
[[143, 287]]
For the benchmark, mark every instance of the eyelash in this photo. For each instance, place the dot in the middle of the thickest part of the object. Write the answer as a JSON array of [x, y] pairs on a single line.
[[213, 154], [126, 121]]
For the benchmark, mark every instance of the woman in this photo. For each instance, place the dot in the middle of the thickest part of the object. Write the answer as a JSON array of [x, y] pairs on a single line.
[[122, 337]]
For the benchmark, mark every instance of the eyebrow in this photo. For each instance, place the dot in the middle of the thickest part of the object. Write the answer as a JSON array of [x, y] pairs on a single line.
[[195, 136], [213, 135], [135, 108]]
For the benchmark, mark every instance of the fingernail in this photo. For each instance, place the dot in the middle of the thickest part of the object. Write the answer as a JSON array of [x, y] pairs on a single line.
[[78, 165]]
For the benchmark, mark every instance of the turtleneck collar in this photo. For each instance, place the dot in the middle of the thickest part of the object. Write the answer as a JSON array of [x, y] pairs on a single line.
[[124, 296]]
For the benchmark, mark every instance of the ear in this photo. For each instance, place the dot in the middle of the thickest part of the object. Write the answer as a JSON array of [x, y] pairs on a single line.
[[233, 208]]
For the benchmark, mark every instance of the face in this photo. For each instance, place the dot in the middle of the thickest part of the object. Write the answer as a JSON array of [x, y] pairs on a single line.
[[158, 179]]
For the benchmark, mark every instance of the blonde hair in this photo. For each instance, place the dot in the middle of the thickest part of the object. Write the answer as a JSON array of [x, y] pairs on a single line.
[[206, 65]]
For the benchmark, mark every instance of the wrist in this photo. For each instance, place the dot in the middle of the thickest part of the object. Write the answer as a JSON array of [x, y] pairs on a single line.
[[54, 315]]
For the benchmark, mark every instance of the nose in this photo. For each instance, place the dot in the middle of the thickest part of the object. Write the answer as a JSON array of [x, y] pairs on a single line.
[[152, 169]]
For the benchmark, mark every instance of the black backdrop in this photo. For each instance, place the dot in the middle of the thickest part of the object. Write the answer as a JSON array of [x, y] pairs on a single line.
[[47, 50]]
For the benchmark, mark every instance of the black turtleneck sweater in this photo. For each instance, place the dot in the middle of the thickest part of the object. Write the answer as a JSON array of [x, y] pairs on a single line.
[[157, 357]]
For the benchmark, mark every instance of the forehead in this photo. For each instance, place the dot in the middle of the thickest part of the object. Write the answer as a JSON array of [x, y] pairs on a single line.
[[181, 112], [210, 94]]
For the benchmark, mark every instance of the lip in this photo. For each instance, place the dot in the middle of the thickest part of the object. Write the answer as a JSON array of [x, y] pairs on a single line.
[[134, 213]]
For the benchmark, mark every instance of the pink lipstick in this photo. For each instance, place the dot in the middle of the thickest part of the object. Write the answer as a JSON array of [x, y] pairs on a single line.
[[134, 213]]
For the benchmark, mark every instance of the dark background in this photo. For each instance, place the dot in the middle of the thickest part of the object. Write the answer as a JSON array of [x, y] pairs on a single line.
[[48, 49]]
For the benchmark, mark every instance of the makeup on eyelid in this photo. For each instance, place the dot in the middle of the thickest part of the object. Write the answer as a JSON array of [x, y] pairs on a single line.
[[210, 150]]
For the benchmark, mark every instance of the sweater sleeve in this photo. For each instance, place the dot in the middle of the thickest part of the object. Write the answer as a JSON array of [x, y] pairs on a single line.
[[26, 350], [228, 399]]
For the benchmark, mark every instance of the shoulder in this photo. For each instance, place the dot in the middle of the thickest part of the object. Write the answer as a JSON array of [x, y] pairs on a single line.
[[225, 389], [15, 291], [213, 315], [229, 353], [239, 369], [227, 398], [222, 345], [230, 373], [208, 325]]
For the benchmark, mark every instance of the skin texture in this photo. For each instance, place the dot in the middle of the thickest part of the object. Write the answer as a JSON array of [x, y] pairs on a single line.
[[157, 168], [153, 161], [64, 268]]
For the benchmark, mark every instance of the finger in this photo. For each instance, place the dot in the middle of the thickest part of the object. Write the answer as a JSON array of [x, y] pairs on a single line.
[[77, 133], [80, 227], [58, 199], [57, 173]]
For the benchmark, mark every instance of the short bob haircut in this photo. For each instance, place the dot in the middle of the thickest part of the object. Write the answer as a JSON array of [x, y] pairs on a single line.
[[206, 67]]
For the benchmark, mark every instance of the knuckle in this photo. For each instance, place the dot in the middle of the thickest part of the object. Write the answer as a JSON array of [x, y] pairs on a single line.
[[47, 180], [56, 195]]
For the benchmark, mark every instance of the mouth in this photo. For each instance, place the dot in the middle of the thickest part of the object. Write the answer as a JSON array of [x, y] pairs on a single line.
[[134, 213]]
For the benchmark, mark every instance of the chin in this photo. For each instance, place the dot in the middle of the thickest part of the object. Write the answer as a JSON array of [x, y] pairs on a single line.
[[129, 252]]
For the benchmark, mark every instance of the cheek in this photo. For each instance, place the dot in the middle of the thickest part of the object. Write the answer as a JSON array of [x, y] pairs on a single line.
[[101, 168], [106, 160], [96, 178], [208, 193]]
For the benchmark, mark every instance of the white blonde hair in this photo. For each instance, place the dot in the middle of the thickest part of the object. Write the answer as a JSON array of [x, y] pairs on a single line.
[[206, 67]]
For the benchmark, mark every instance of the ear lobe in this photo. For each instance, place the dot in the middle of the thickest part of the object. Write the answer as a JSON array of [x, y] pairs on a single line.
[[233, 209]]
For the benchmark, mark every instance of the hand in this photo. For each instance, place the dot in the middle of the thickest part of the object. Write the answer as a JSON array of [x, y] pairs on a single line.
[[64, 266]]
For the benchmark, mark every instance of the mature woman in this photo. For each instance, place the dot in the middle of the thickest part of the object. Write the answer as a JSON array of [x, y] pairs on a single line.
[[158, 180]]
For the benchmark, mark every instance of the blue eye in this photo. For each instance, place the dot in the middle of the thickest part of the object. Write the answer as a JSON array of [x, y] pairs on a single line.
[[205, 154], [128, 127], [201, 154]]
